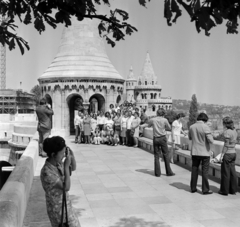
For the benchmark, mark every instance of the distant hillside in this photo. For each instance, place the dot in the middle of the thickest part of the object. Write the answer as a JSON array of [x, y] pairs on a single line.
[[214, 111]]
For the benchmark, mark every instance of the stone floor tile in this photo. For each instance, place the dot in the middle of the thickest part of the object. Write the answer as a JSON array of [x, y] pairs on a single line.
[[184, 223], [114, 184], [88, 222], [220, 204], [156, 200], [205, 214], [94, 189], [119, 189], [166, 208], [130, 202], [102, 196], [103, 203], [136, 209], [117, 195], [104, 212], [222, 222]]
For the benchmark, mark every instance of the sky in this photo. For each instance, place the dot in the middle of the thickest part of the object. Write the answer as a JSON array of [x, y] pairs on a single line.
[[185, 62]]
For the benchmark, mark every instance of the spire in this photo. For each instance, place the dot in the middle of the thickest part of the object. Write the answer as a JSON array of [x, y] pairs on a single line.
[[148, 72], [131, 74], [81, 54]]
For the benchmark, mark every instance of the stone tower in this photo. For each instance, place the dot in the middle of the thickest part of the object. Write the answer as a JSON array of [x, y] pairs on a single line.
[[81, 75], [131, 83]]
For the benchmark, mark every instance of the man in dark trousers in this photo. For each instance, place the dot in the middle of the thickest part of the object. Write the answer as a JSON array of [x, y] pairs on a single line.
[[160, 124], [44, 114], [201, 137]]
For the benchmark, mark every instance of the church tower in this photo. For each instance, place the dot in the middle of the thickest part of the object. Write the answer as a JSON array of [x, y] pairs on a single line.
[[131, 83]]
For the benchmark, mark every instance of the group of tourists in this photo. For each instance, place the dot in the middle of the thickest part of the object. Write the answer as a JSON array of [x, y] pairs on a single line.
[[115, 126], [121, 125]]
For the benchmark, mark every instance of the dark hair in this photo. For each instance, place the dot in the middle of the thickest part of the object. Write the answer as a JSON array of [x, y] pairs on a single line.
[[136, 113], [107, 114], [42, 101], [53, 145], [111, 105], [202, 117], [228, 123], [161, 112], [180, 115]]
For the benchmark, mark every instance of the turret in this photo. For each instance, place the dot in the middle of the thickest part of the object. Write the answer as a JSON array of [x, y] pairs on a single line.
[[131, 83]]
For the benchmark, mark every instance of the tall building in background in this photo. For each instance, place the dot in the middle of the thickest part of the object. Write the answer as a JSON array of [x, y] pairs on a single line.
[[2, 63]]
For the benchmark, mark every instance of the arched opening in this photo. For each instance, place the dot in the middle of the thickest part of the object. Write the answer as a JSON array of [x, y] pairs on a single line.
[[142, 96], [97, 103], [75, 104], [155, 95], [49, 101], [153, 108], [151, 95], [118, 99]]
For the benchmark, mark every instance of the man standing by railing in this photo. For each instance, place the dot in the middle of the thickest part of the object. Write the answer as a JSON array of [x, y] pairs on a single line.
[[44, 114], [160, 124], [201, 137]]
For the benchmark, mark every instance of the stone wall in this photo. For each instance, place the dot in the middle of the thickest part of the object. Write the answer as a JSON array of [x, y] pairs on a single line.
[[15, 193]]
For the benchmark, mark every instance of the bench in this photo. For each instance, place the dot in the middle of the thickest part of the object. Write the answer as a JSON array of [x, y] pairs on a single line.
[[184, 157]]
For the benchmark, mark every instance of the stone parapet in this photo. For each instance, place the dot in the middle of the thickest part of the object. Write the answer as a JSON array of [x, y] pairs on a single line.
[[216, 147], [15, 192]]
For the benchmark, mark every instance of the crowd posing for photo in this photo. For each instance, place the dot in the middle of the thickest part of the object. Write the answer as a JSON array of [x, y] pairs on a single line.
[[114, 127], [123, 126]]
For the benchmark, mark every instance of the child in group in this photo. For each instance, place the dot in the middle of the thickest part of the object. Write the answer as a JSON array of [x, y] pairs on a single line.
[[97, 136]]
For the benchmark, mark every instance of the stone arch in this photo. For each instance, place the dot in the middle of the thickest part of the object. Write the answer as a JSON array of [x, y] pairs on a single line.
[[97, 103], [153, 108], [155, 95], [74, 102], [118, 99]]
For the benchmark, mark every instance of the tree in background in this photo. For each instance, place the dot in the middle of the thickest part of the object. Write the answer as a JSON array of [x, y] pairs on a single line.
[[193, 111], [171, 116], [113, 27], [36, 90], [206, 14]]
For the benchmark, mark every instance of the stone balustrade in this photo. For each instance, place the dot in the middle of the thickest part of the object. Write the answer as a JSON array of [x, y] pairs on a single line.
[[15, 192]]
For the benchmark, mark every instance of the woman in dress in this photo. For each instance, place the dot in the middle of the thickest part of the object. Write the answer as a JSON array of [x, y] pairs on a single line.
[[124, 127], [87, 127], [135, 126], [228, 157], [174, 138], [53, 174]]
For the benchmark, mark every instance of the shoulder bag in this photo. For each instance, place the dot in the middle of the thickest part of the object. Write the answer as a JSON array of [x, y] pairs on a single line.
[[64, 204]]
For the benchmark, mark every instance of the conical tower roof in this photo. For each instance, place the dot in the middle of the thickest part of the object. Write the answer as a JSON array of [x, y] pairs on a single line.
[[131, 76], [81, 55], [148, 71]]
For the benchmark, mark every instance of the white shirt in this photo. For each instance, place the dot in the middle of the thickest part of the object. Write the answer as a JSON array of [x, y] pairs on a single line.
[[101, 120], [177, 127], [77, 120], [109, 123], [129, 122]]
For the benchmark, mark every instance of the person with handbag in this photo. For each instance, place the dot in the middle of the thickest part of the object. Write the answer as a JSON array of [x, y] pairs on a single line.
[[135, 128], [228, 158], [55, 178]]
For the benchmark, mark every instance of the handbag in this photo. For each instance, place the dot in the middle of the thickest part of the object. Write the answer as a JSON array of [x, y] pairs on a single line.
[[64, 204]]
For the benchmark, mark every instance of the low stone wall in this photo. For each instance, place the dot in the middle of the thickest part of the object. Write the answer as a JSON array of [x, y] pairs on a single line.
[[216, 147], [15, 193]]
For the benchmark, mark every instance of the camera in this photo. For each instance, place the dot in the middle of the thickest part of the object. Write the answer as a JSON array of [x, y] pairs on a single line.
[[67, 152]]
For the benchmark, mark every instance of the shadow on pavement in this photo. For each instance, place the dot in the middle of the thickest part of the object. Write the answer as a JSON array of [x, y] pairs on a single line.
[[138, 222], [146, 171]]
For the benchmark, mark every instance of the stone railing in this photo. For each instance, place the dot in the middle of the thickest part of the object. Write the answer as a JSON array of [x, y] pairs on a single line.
[[15, 192], [183, 156], [216, 147]]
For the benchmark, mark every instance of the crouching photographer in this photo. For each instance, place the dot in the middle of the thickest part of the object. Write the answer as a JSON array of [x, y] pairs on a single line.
[[55, 178]]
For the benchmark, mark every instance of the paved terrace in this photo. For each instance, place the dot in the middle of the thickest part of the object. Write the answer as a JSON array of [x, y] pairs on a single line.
[[116, 187]]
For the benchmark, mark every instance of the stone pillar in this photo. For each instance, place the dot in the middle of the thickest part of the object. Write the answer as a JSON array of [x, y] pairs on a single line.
[[57, 108]]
